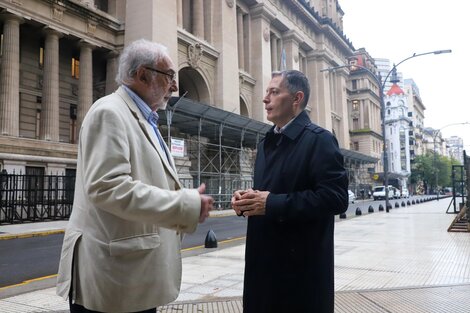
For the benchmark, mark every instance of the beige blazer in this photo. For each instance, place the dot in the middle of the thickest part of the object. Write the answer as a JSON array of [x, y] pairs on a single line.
[[128, 212]]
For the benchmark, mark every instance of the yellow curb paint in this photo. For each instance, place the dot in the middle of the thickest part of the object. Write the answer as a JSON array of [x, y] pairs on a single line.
[[32, 234], [28, 281], [55, 275], [221, 242]]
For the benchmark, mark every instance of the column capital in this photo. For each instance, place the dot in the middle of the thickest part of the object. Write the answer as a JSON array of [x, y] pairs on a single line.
[[111, 54], [292, 35], [85, 44], [46, 30], [262, 11], [6, 16]]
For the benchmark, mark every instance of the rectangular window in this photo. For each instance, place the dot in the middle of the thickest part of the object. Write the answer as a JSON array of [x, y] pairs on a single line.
[[75, 68], [354, 84], [355, 123], [41, 57], [73, 123], [356, 145], [355, 105]]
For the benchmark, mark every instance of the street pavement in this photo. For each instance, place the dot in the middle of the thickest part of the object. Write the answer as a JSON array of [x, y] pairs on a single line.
[[401, 261]]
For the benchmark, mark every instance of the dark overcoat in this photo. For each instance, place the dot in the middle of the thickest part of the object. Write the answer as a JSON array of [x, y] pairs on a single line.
[[289, 251]]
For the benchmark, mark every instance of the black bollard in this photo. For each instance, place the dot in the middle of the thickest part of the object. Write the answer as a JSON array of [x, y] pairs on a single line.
[[381, 207], [358, 211], [371, 209], [211, 240], [413, 202], [342, 215], [408, 202], [397, 205], [403, 203], [389, 206]]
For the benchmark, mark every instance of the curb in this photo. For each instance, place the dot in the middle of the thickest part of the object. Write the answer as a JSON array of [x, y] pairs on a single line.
[[32, 234]]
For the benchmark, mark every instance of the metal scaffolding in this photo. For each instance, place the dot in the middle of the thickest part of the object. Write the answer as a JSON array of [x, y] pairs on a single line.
[[220, 146]]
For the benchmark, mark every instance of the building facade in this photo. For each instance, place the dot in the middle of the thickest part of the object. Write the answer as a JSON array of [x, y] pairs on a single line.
[[455, 148], [397, 127], [58, 57]]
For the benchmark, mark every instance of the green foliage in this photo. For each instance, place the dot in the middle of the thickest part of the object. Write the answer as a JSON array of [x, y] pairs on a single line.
[[426, 166]]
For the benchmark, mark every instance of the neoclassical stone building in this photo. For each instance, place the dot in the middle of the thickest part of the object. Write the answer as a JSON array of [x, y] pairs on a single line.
[[58, 56]]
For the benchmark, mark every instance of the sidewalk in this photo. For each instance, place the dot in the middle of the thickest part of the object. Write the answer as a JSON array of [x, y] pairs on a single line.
[[402, 261]]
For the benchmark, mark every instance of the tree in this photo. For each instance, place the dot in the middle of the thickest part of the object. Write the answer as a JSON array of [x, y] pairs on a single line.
[[425, 167]]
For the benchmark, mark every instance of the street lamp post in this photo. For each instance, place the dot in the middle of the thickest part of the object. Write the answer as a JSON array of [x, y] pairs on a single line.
[[435, 153], [381, 85]]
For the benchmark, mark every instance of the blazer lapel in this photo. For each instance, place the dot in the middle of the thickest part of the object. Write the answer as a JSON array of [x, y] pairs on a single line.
[[150, 135]]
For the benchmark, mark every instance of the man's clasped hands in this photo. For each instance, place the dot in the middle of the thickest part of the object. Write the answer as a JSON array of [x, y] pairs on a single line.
[[249, 202]]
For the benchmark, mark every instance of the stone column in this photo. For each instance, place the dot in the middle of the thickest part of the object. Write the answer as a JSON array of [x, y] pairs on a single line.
[[261, 61], [198, 18], [179, 13], [291, 40], [240, 33], [85, 82], [274, 58], [227, 91], [10, 76], [111, 71], [50, 88]]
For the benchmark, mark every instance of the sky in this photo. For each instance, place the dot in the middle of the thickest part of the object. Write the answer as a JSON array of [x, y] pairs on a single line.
[[396, 29]]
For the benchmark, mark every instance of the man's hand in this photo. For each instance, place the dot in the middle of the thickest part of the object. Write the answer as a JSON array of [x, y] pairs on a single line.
[[237, 195], [207, 203], [250, 202]]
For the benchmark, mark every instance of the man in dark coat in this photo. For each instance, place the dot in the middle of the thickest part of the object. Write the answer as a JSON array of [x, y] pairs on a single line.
[[299, 185]]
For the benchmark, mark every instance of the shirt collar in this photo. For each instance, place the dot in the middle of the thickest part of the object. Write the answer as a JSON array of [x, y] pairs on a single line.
[[278, 130], [149, 115]]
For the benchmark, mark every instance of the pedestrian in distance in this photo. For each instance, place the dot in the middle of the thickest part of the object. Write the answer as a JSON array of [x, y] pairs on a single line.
[[300, 184], [121, 250]]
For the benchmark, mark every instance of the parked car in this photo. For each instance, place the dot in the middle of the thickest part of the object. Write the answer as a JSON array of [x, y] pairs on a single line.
[[396, 193], [378, 192], [405, 193], [352, 196]]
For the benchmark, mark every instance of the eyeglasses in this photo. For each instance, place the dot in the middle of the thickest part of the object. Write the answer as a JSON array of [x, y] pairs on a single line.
[[171, 75]]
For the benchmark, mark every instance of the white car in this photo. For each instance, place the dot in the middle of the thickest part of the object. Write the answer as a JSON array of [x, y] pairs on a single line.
[[352, 196], [379, 192], [405, 193]]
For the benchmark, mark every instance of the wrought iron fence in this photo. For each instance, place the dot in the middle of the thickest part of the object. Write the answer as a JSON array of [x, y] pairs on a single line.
[[35, 198]]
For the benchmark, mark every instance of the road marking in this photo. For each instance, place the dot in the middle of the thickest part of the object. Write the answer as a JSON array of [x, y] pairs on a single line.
[[28, 282], [221, 242], [32, 234], [55, 275]]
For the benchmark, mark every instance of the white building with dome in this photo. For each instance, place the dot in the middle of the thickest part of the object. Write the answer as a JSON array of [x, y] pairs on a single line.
[[397, 126]]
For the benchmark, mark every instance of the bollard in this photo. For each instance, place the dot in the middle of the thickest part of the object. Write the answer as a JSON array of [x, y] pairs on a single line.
[[397, 205], [358, 211], [211, 240], [371, 209], [403, 203], [342, 215], [389, 206], [408, 202], [381, 207], [413, 202]]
